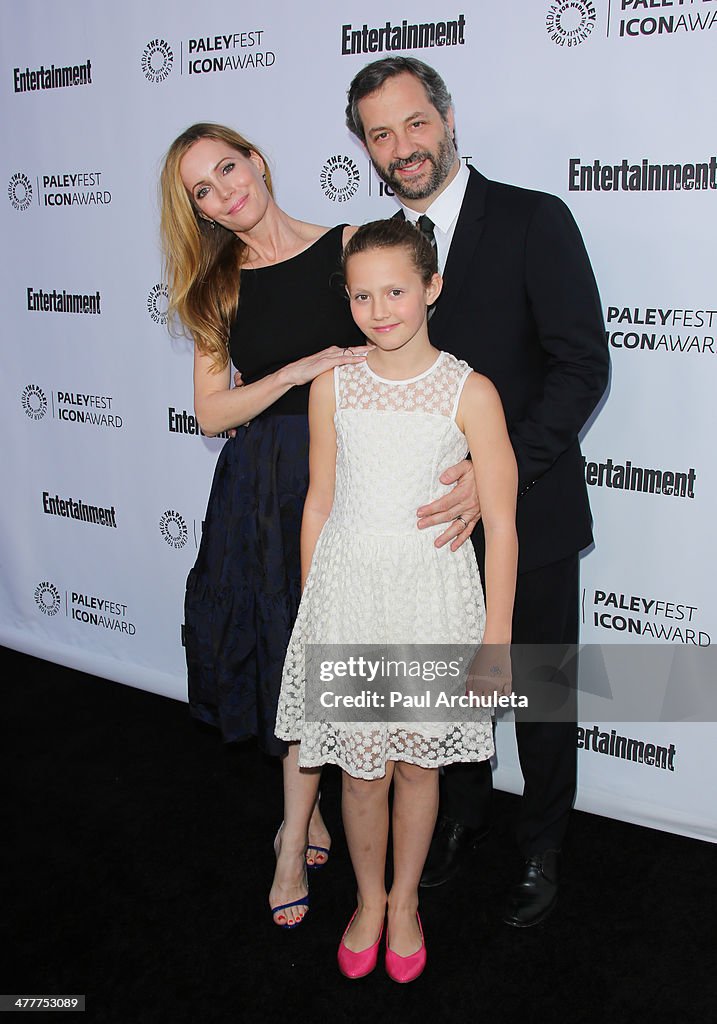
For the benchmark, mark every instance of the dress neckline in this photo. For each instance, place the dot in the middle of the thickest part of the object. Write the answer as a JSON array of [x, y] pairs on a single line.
[[297, 255], [407, 380]]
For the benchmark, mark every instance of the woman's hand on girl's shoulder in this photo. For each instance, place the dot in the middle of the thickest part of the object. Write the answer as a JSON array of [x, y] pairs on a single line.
[[304, 370]]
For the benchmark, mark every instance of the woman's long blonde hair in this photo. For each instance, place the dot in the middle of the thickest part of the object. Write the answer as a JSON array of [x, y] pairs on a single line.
[[202, 263]]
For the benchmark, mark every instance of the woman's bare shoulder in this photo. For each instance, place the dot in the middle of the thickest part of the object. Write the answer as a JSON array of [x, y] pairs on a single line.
[[307, 232], [310, 233]]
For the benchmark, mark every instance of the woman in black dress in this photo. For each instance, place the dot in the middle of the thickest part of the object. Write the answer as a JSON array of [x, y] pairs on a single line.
[[255, 287]]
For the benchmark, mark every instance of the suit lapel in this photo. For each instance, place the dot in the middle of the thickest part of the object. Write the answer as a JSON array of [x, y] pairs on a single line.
[[464, 243]]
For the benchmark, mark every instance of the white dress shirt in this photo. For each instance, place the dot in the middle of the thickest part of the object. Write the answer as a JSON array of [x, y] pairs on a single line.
[[444, 211]]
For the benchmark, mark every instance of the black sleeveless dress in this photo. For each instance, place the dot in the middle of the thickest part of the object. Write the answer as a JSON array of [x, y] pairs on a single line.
[[243, 592]]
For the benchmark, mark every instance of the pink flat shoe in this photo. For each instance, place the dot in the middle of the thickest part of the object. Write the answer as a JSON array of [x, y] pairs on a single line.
[[406, 968], [357, 965]]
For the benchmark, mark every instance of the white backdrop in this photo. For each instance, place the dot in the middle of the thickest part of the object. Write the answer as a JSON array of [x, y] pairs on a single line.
[[92, 400]]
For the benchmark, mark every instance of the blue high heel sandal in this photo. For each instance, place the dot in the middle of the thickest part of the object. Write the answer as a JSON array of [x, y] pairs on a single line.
[[319, 849], [302, 901]]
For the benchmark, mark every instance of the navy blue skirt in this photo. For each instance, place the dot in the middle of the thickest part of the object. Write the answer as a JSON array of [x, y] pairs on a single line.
[[243, 592]]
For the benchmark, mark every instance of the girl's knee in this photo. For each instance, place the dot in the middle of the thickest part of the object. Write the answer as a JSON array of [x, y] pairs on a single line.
[[415, 774], [361, 789]]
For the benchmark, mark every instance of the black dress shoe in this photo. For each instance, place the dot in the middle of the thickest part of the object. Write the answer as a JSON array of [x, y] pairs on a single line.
[[451, 846], [532, 899]]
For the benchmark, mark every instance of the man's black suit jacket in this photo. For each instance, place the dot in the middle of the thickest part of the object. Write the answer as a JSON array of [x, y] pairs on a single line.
[[520, 305]]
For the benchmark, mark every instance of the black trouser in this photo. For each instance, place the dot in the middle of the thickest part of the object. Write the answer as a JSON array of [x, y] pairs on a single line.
[[546, 612]]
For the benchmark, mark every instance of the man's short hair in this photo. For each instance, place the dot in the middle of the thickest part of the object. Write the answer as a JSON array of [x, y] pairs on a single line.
[[373, 76]]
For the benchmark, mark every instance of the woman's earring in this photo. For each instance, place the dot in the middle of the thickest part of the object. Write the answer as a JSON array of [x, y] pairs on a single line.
[[212, 224], [264, 176]]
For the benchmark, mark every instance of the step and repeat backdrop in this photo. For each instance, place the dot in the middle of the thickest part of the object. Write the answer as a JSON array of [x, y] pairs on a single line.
[[105, 472]]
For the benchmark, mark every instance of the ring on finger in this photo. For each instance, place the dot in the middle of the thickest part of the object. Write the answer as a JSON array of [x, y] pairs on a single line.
[[465, 524], [350, 351]]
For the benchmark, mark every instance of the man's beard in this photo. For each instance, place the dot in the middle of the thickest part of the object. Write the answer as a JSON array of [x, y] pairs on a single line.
[[441, 162]]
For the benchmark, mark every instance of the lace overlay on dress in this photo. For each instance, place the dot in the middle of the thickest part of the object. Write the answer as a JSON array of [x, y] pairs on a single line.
[[375, 578], [436, 391]]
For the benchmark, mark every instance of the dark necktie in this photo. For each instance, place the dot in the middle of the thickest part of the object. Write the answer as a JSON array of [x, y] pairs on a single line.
[[426, 225]]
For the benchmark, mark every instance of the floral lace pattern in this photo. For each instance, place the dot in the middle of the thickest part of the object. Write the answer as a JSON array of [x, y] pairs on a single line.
[[375, 578], [436, 391]]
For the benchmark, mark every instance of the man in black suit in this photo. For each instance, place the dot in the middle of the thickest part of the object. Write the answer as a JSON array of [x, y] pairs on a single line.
[[520, 305]]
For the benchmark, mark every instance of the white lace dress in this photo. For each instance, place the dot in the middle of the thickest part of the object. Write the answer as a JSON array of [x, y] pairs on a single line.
[[375, 578]]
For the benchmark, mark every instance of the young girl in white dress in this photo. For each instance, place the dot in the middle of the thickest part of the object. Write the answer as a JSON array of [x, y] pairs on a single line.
[[381, 434]]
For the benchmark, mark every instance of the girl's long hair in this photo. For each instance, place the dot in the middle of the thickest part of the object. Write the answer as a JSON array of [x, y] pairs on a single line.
[[202, 264]]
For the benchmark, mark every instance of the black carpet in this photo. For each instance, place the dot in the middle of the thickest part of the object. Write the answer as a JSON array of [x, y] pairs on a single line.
[[140, 861]]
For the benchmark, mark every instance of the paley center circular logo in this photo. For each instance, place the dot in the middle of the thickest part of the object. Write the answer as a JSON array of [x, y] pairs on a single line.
[[173, 528], [157, 60], [340, 178], [34, 402], [19, 191], [158, 303], [47, 598], [570, 22]]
